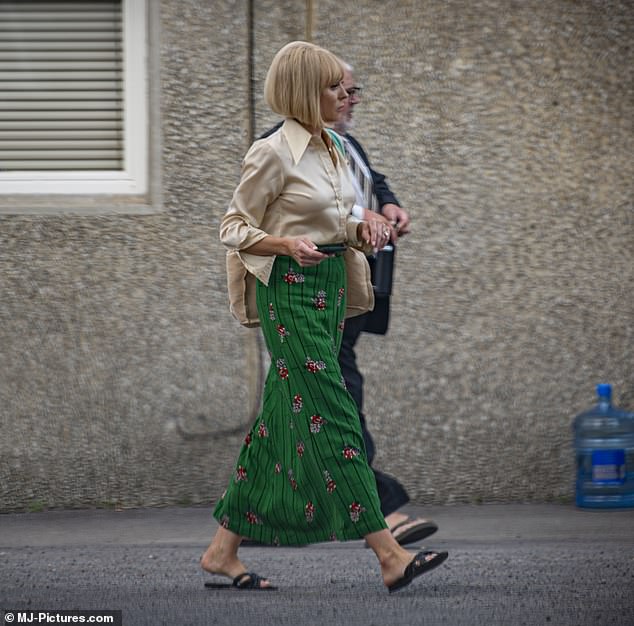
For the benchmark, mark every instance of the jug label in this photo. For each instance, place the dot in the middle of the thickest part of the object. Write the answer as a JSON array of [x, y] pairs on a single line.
[[608, 467]]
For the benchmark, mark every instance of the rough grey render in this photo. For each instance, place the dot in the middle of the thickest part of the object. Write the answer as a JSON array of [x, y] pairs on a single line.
[[505, 128]]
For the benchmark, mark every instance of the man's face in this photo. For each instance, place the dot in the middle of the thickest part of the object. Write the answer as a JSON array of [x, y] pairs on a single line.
[[345, 119]]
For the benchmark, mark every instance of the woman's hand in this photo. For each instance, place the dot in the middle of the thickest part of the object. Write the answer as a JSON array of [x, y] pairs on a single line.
[[375, 233], [395, 218], [304, 251]]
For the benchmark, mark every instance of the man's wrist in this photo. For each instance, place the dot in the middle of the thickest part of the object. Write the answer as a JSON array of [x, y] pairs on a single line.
[[390, 210]]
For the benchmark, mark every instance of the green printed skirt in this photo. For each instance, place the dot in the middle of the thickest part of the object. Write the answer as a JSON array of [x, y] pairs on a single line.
[[302, 475]]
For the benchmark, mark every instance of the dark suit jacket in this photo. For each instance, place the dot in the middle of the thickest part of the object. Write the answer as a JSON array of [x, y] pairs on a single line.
[[382, 190], [377, 320]]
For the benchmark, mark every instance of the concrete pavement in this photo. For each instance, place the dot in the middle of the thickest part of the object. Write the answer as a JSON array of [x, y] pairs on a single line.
[[508, 565]]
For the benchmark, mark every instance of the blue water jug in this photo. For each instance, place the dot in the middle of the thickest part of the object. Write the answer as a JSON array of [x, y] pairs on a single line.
[[604, 447]]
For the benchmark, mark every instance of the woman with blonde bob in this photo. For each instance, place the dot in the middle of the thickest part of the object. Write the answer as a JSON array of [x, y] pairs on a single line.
[[302, 475]]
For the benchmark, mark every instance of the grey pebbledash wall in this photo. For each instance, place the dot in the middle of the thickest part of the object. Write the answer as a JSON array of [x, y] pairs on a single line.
[[505, 128]]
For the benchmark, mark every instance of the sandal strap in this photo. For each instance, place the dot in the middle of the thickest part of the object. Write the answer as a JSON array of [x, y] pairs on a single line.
[[410, 520], [252, 581], [400, 524], [421, 559]]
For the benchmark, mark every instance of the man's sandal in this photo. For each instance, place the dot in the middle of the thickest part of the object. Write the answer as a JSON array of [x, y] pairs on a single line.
[[418, 529]]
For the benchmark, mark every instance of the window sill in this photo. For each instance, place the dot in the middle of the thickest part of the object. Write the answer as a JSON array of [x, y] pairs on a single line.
[[78, 205]]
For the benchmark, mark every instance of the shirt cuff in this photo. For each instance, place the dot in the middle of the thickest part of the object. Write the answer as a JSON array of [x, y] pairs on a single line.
[[358, 211], [351, 231]]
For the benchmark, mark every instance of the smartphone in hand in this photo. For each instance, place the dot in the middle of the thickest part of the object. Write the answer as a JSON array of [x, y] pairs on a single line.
[[332, 248]]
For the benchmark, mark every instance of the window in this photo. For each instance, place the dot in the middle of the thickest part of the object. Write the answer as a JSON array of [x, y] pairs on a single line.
[[73, 97]]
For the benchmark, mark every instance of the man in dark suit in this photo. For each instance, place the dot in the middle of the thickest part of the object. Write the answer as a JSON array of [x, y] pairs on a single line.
[[392, 494]]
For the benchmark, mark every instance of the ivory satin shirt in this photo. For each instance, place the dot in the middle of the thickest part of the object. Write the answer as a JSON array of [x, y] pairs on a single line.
[[289, 187]]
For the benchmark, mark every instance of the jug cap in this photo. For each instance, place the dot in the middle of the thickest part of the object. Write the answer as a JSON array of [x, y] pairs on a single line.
[[604, 390]]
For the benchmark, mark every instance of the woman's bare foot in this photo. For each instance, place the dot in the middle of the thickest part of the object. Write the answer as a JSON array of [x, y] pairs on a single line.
[[213, 562], [221, 557], [393, 566], [393, 558]]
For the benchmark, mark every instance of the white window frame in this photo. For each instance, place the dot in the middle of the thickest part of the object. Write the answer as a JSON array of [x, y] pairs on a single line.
[[133, 178]]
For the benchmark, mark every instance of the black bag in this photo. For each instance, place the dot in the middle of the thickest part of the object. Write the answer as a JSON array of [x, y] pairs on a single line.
[[382, 271]]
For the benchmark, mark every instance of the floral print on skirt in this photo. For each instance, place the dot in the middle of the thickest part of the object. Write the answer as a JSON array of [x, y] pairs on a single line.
[[302, 475]]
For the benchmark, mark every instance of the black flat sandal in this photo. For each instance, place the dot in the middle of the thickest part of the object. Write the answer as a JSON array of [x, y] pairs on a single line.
[[247, 581], [421, 563]]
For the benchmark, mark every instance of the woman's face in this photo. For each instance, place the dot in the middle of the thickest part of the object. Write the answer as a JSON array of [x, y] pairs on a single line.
[[332, 102]]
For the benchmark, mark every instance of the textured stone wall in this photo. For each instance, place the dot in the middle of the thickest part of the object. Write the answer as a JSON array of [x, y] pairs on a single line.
[[505, 128]]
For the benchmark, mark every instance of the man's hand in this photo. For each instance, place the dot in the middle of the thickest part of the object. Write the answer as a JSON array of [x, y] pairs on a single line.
[[398, 218]]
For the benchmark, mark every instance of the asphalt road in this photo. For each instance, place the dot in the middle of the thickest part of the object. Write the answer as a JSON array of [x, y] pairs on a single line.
[[508, 565]]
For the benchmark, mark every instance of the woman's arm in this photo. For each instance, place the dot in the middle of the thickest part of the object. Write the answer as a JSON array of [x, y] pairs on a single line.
[[261, 182], [302, 249]]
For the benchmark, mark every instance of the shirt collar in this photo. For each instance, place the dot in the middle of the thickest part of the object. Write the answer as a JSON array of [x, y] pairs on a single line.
[[298, 138]]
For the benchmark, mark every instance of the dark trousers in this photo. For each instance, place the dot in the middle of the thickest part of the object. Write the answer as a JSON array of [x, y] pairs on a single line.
[[391, 493]]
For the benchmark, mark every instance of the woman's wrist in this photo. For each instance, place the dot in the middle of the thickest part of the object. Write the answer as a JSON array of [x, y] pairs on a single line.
[[280, 246]]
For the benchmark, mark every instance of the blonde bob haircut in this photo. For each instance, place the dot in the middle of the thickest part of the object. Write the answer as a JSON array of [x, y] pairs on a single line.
[[299, 72]]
